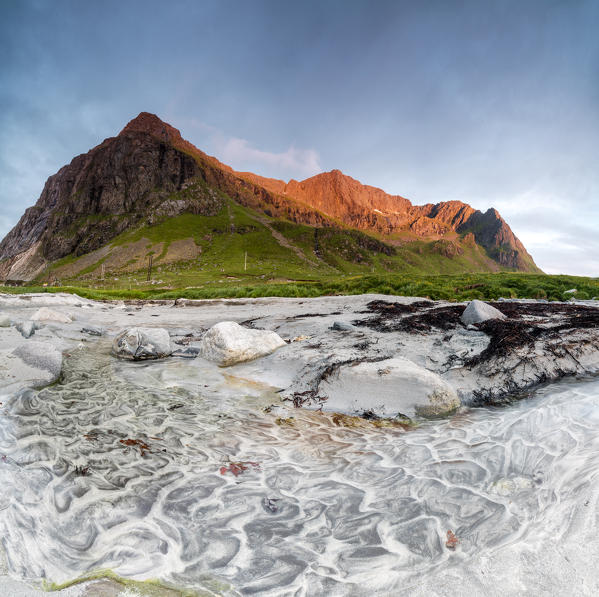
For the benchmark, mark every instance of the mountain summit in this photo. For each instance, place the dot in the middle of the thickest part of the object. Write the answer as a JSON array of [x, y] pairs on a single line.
[[149, 173]]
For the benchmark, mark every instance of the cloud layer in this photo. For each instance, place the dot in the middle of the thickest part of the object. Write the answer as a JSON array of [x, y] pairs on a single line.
[[239, 154], [492, 103]]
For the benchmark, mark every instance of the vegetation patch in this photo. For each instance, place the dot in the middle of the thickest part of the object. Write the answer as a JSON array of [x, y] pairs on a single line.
[[455, 288]]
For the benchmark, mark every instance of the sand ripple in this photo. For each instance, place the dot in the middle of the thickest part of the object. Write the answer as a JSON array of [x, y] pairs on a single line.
[[324, 509]]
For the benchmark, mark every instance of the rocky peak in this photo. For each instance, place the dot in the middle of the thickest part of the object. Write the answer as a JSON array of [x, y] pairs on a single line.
[[152, 125]]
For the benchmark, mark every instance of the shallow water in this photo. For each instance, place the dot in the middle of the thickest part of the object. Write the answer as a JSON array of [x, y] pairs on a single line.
[[318, 510]]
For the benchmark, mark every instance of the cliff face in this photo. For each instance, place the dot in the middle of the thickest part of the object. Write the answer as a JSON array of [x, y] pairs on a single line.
[[149, 171]]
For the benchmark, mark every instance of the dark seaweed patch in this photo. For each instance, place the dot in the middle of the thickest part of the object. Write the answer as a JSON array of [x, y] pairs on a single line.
[[545, 321], [398, 319]]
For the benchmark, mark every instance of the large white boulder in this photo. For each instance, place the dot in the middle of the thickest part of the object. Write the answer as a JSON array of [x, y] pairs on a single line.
[[5, 321], [227, 343], [388, 388], [45, 314], [139, 344], [479, 311]]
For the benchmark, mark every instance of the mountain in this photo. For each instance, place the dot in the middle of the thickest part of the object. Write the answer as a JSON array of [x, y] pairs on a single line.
[[148, 175], [369, 208]]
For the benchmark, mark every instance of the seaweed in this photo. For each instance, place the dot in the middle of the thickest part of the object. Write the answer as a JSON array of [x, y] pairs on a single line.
[[301, 398], [452, 541], [238, 467], [81, 471], [391, 308], [143, 447], [544, 321], [399, 319]]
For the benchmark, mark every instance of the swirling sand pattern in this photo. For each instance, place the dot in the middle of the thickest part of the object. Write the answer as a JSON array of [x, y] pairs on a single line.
[[328, 510]]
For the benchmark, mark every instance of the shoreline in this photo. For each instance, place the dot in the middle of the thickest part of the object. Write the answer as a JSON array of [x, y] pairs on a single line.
[[329, 337]]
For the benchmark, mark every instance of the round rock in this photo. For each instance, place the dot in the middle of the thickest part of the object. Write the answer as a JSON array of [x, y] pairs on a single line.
[[227, 343], [388, 388], [138, 344]]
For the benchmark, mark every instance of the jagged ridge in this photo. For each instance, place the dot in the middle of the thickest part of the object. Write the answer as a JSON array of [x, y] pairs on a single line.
[[149, 171]]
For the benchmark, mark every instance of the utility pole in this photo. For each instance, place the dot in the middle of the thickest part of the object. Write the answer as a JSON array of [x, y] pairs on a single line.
[[149, 268], [245, 264], [102, 272]]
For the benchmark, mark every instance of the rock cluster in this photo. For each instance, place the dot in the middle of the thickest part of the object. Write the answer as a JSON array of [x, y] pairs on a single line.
[[354, 355]]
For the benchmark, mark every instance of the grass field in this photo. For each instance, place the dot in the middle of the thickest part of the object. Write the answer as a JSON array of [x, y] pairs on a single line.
[[452, 287]]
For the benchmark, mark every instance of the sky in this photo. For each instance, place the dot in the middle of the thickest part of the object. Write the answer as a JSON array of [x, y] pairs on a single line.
[[494, 103]]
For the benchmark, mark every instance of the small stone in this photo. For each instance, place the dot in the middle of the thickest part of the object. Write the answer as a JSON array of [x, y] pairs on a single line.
[[342, 326], [92, 330], [189, 352]]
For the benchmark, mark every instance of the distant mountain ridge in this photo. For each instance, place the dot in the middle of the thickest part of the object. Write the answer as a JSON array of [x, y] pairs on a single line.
[[370, 208], [149, 172]]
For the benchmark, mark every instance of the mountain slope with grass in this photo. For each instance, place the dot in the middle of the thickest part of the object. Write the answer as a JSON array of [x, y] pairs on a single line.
[[149, 193]]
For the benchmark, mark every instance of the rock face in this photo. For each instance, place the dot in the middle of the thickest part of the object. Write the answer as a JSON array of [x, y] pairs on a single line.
[[478, 311], [228, 343], [138, 344], [389, 388], [149, 172]]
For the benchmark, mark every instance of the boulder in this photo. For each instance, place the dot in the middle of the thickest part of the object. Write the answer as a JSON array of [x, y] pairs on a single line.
[[227, 343], [571, 291], [138, 344], [4, 320], [45, 314], [41, 356], [388, 388], [478, 311]]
